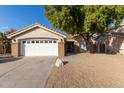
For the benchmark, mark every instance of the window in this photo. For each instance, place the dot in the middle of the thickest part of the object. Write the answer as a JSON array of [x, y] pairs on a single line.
[[50, 41], [37, 41], [33, 42], [41, 41], [46, 41], [54, 41], [23, 42], [28, 41]]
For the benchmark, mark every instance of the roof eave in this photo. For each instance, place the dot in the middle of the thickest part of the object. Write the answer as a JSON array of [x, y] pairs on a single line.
[[33, 26]]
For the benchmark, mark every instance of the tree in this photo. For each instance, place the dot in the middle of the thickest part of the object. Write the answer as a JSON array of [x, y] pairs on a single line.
[[12, 30], [84, 21], [4, 41]]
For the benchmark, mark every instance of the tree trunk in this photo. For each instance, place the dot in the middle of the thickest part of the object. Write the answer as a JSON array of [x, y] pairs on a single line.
[[4, 49], [87, 41], [88, 46]]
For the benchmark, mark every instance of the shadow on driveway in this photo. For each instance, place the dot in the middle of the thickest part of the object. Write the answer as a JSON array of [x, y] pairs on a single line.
[[8, 59]]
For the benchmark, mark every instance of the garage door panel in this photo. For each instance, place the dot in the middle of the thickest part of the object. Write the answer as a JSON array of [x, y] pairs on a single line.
[[40, 49]]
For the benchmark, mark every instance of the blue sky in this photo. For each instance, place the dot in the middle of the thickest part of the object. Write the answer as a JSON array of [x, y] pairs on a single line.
[[15, 16], [21, 16]]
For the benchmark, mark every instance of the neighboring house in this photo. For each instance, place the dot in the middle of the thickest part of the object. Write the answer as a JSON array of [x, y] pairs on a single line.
[[111, 42], [38, 40]]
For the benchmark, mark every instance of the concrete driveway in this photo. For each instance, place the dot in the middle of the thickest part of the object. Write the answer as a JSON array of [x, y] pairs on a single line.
[[27, 72]]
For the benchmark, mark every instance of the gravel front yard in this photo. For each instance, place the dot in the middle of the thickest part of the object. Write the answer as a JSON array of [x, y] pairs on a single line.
[[89, 70]]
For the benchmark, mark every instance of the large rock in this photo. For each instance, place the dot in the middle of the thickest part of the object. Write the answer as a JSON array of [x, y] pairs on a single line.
[[59, 63]]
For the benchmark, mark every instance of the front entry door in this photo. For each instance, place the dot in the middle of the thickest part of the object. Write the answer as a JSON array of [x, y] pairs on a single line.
[[102, 48], [69, 47]]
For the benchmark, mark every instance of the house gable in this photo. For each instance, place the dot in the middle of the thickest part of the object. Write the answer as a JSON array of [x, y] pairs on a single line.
[[36, 31]]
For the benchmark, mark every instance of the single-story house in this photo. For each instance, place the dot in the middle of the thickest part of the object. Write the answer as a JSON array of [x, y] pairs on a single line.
[[39, 40], [111, 42]]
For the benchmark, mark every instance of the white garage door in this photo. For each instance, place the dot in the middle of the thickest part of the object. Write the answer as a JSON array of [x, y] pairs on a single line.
[[39, 48]]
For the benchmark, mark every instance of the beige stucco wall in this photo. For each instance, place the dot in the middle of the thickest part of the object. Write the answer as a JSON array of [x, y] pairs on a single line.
[[61, 49], [37, 33], [116, 43], [15, 49], [121, 45]]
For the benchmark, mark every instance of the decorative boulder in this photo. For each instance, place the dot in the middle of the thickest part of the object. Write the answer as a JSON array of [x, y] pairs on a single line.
[[59, 63]]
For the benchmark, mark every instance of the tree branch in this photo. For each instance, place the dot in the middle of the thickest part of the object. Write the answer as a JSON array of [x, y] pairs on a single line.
[[83, 37]]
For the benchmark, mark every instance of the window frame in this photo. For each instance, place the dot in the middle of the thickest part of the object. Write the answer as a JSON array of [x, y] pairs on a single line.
[[55, 41], [23, 42], [32, 41], [37, 42], [28, 42], [50, 41], [46, 41]]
